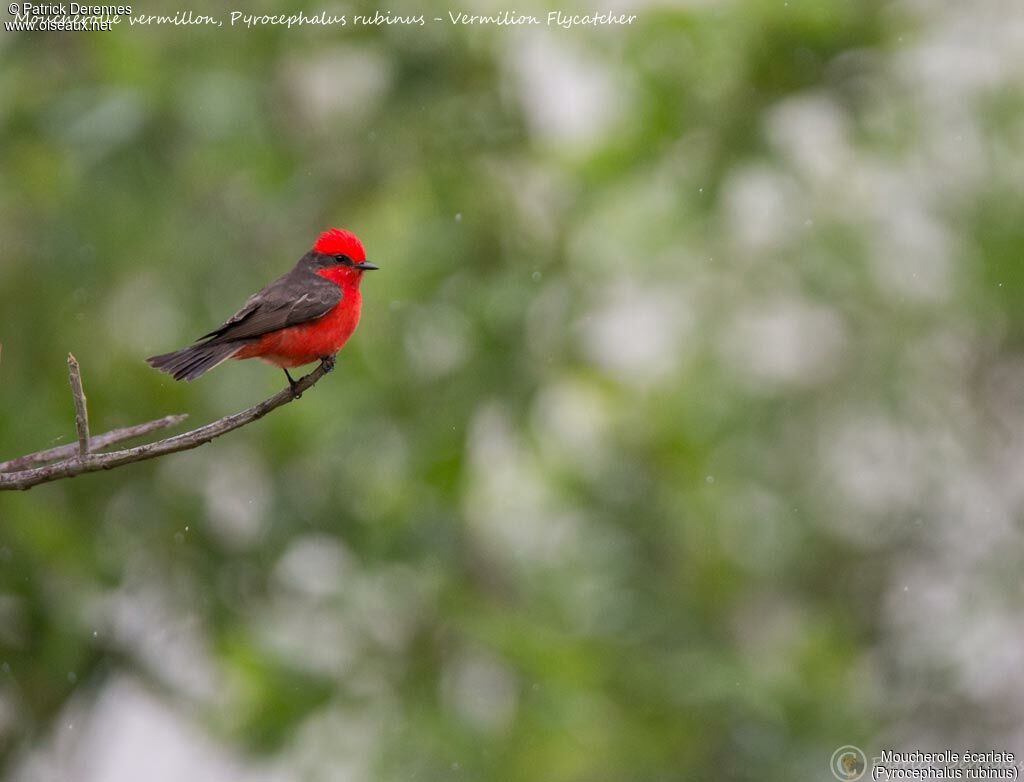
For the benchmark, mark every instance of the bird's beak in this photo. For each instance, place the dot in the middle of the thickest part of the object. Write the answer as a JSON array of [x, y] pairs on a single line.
[[366, 266]]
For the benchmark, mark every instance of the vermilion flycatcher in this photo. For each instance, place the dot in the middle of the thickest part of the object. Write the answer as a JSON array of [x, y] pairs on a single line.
[[306, 315]]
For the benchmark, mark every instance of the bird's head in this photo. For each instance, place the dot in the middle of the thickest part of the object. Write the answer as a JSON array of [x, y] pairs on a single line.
[[339, 256]]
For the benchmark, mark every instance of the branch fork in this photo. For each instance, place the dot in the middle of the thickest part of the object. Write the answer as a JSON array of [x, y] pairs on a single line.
[[87, 455]]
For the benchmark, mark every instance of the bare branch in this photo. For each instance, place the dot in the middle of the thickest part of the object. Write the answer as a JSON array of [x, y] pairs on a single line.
[[98, 443], [81, 411], [76, 465]]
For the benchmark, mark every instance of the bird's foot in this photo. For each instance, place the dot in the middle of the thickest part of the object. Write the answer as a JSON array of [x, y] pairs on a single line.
[[293, 385], [327, 362]]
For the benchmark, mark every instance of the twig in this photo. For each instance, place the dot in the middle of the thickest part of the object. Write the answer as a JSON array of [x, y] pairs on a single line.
[[98, 443], [76, 465], [81, 411]]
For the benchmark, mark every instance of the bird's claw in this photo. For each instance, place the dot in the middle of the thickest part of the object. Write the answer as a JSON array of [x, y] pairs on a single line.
[[293, 385], [327, 362]]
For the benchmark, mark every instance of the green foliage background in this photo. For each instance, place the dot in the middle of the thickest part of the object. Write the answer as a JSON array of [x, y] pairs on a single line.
[[679, 440]]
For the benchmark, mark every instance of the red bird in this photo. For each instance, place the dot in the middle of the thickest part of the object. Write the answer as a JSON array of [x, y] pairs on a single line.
[[306, 315]]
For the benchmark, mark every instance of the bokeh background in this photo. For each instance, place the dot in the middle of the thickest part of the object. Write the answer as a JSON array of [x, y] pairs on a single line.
[[681, 438]]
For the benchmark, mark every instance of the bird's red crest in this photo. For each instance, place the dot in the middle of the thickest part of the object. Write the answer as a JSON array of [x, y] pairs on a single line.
[[335, 241]]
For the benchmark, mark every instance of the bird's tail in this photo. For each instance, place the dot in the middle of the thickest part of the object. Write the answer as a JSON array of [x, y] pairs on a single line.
[[191, 362]]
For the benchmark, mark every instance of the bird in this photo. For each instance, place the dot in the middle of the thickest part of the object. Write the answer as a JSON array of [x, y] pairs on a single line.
[[305, 315]]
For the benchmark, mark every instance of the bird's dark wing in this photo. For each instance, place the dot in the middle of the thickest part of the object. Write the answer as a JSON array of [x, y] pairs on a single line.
[[299, 296]]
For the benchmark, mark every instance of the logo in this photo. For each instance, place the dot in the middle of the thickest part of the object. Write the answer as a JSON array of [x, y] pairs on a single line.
[[848, 763]]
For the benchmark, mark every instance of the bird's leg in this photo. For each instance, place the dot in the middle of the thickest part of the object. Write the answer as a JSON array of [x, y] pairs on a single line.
[[292, 384], [328, 363]]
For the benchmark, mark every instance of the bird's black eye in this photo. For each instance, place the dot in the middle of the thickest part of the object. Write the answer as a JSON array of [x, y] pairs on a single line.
[[344, 260]]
